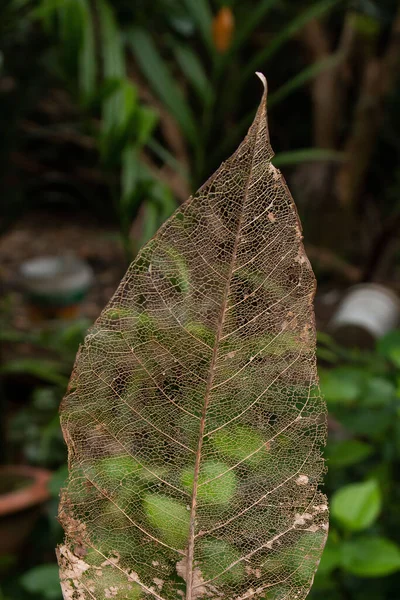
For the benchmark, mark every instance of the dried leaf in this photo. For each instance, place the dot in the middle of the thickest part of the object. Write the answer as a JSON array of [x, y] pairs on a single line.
[[193, 417]]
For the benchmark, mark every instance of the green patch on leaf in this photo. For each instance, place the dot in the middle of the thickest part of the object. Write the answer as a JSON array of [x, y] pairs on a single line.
[[242, 444], [169, 517], [216, 484], [221, 560]]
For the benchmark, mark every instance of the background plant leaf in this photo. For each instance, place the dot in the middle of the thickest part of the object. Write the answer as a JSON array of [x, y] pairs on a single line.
[[43, 580], [371, 557], [357, 505], [161, 80]]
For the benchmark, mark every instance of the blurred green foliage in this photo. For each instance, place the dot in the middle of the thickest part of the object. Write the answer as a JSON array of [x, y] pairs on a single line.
[[33, 430], [33, 436], [84, 52], [362, 390]]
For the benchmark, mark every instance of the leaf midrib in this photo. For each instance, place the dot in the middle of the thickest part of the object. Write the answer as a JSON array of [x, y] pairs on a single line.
[[192, 525]]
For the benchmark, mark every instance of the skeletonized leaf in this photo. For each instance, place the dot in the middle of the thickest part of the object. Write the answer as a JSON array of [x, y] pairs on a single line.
[[193, 418]]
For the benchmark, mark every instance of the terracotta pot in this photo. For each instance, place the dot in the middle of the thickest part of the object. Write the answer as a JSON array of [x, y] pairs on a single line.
[[20, 508]]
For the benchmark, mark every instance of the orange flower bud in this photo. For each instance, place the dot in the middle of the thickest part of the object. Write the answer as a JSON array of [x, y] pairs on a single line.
[[222, 29]]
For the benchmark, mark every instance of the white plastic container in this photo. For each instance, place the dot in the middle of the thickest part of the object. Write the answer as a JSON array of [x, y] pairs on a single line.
[[55, 285], [365, 314]]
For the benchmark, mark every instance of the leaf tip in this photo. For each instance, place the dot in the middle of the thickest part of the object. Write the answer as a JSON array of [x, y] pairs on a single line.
[[263, 79]]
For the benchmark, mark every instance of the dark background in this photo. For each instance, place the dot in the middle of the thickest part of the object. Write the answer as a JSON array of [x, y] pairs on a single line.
[[111, 114]]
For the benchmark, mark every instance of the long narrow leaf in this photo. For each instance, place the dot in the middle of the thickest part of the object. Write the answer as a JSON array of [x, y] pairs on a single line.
[[132, 168], [47, 370], [87, 68], [71, 15], [161, 80], [296, 157], [111, 42], [253, 18], [130, 176], [202, 16], [167, 157], [260, 59], [150, 224], [305, 76], [77, 36], [46, 10], [194, 72], [113, 64]]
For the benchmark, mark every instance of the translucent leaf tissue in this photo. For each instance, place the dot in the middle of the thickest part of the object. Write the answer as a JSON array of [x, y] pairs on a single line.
[[193, 417]]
